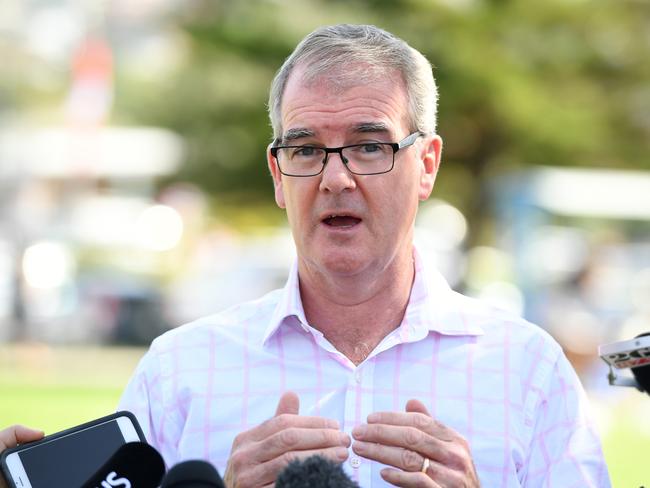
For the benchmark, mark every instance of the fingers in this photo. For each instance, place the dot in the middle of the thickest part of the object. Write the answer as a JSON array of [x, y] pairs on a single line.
[[286, 416], [408, 479], [259, 454], [399, 457], [417, 406], [418, 420], [267, 472], [406, 459], [289, 404], [301, 439], [284, 422], [18, 434], [258, 463], [404, 439]]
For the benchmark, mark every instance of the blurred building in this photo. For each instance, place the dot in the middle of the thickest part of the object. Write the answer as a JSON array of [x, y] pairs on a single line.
[[576, 245], [80, 245], [82, 236]]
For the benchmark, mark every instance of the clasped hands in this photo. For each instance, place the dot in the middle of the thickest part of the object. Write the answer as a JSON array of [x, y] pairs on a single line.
[[420, 451]]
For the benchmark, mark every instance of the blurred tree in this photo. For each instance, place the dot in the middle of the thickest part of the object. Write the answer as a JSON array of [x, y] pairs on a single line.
[[563, 82]]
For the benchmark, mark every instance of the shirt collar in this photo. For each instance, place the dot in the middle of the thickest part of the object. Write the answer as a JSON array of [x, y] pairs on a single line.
[[289, 305], [433, 306]]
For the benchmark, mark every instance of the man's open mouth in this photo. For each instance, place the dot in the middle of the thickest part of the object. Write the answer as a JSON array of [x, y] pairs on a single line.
[[341, 221]]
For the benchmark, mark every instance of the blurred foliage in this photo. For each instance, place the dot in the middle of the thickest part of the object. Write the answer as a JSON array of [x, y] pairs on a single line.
[[553, 83], [561, 82]]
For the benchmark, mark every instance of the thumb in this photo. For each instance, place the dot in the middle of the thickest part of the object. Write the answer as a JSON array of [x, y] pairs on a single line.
[[14, 435], [289, 403], [417, 406], [26, 434], [18, 434]]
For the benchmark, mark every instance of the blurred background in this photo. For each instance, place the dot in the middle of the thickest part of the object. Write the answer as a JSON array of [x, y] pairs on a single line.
[[134, 194]]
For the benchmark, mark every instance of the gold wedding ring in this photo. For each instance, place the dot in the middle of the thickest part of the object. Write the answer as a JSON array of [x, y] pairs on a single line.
[[425, 465]]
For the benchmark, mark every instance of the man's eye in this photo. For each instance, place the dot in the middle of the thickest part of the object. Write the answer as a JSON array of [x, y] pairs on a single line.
[[370, 148], [304, 151]]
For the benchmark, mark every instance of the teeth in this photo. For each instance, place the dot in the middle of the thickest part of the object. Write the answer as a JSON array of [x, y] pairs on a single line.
[[333, 216]]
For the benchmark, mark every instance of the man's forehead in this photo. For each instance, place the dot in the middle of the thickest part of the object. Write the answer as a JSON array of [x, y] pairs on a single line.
[[315, 88], [343, 76]]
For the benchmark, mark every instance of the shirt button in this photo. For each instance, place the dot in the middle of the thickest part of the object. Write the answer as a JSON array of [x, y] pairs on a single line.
[[357, 376], [355, 462]]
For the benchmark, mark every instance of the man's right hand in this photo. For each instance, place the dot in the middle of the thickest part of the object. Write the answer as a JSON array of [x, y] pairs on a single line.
[[14, 435], [258, 455]]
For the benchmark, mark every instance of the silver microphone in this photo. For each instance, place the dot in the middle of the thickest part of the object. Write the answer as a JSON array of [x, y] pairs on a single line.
[[633, 354]]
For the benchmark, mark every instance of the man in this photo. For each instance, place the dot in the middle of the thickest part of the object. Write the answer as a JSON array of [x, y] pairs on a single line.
[[362, 357]]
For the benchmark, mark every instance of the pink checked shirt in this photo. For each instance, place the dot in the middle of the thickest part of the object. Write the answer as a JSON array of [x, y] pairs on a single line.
[[501, 382]]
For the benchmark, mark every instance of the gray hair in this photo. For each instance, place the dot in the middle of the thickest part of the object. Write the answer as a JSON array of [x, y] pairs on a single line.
[[353, 54]]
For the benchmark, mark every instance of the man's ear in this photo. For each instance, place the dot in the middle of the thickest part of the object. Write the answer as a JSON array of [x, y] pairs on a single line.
[[429, 155], [277, 178]]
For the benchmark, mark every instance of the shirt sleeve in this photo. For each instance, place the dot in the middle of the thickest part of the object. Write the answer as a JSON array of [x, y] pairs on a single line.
[[145, 397], [565, 449]]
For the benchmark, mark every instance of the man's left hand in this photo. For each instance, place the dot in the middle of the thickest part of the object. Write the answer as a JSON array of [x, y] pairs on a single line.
[[406, 440]]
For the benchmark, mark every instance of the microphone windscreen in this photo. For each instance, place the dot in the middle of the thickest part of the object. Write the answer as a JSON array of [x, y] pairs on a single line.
[[642, 373], [314, 472], [192, 474], [135, 462]]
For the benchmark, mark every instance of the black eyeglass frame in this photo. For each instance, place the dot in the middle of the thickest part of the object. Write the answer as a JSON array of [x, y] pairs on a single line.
[[395, 146]]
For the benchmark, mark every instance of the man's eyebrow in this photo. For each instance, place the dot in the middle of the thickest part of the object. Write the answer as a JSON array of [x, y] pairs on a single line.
[[293, 134], [371, 127]]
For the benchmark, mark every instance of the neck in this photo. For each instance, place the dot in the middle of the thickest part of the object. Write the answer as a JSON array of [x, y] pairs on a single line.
[[356, 312]]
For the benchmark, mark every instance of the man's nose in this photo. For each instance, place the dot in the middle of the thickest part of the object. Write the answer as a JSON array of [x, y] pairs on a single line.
[[335, 177]]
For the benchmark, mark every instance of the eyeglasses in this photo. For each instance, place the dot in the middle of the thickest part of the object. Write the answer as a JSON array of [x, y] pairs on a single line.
[[369, 158]]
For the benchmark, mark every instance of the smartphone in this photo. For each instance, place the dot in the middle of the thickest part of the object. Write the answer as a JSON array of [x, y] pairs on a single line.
[[70, 457]]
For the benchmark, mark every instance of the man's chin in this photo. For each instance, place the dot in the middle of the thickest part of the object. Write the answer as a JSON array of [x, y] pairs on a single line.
[[344, 262]]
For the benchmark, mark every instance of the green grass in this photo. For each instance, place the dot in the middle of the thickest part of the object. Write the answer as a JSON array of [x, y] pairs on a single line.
[[56, 388], [625, 426], [54, 408], [627, 456]]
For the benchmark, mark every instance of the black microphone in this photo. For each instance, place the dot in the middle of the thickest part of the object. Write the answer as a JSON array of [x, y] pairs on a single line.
[[192, 474], [314, 472], [134, 465]]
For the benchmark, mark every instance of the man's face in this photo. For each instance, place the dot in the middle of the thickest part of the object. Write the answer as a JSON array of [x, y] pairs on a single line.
[[346, 224]]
